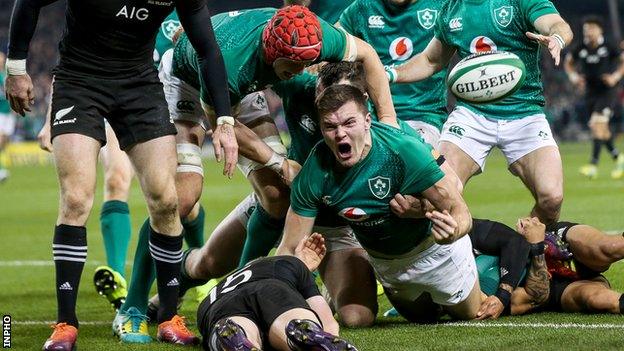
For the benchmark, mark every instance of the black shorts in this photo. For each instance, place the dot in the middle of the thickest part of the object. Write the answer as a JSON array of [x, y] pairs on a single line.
[[135, 107], [598, 101], [260, 301], [557, 287]]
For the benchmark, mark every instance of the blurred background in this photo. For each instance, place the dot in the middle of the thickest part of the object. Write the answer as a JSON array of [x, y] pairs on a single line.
[[565, 107]]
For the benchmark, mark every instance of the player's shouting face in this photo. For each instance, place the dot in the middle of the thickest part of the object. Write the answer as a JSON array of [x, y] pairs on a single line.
[[345, 123]]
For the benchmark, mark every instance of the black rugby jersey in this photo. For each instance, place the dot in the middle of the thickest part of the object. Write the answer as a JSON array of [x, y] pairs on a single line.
[[593, 62]]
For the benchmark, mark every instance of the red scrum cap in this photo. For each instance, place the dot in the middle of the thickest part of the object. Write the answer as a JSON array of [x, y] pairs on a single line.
[[294, 32]]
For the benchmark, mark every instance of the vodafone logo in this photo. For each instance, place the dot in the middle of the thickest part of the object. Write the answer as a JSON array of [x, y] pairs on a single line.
[[401, 48], [353, 214], [482, 44]]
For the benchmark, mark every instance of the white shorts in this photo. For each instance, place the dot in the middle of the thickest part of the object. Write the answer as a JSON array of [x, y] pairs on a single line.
[[184, 104], [336, 239], [429, 133], [7, 123], [447, 272], [476, 135]]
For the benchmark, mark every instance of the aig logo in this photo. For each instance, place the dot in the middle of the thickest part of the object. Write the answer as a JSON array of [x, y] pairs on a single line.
[[140, 14]]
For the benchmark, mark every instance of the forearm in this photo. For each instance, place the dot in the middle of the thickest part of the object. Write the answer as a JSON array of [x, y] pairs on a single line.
[[195, 19], [562, 29], [250, 145], [296, 228], [416, 69], [23, 24], [459, 211], [377, 85], [537, 282]]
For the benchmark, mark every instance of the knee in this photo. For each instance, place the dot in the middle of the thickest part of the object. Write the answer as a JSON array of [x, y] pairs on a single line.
[[163, 204], [550, 204], [600, 302], [186, 203], [76, 205], [614, 251], [356, 316], [117, 184]]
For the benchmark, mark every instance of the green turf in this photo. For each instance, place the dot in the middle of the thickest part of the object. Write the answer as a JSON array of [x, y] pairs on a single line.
[[28, 204]]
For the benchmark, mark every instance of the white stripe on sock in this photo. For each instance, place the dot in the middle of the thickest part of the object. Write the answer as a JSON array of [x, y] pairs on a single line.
[[71, 247], [73, 259], [165, 252]]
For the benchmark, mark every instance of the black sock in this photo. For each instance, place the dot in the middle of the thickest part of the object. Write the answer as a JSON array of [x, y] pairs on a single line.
[[186, 282], [69, 248], [613, 151], [596, 151], [167, 254]]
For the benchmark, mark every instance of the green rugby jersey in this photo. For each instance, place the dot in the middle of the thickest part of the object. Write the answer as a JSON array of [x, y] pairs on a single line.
[[164, 38], [397, 34], [239, 35], [472, 26], [329, 10], [5, 108], [360, 196]]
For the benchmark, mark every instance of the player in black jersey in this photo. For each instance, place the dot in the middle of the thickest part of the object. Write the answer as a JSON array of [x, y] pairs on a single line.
[[106, 70], [600, 69], [271, 303]]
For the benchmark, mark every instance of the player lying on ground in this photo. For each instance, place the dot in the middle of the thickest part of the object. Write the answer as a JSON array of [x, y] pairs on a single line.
[[271, 303], [354, 175]]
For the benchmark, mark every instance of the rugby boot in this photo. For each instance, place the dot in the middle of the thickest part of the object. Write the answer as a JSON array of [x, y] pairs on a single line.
[[174, 331], [110, 284], [618, 171], [590, 171], [63, 338], [202, 291], [306, 335], [556, 247], [564, 269], [154, 304], [131, 327], [391, 313], [229, 336]]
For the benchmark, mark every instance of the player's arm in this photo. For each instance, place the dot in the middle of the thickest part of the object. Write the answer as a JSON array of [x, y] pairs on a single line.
[[612, 79], [553, 32], [18, 87], [569, 65], [422, 66], [296, 228], [537, 284], [451, 220]]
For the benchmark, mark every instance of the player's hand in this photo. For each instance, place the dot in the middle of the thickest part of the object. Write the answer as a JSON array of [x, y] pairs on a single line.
[[20, 93], [290, 169], [491, 308], [407, 206], [44, 137], [224, 137], [311, 250], [444, 226], [612, 79], [550, 43], [532, 229]]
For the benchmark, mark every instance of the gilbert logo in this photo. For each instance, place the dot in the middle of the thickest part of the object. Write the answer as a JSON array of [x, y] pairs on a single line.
[[58, 116], [376, 22]]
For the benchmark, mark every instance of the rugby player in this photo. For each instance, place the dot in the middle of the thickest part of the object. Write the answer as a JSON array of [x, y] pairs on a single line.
[[397, 29], [7, 120], [272, 303], [351, 178], [328, 10], [127, 92], [517, 124], [601, 67]]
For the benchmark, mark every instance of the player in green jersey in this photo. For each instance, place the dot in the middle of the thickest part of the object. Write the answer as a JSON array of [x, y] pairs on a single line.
[[166, 36], [516, 124], [7, 120], [356, 176], [398, 29]]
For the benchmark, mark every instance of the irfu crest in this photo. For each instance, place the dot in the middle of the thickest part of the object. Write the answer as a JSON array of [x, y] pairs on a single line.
[[169, 28], [427, 18], [379, 186], [503, 15]]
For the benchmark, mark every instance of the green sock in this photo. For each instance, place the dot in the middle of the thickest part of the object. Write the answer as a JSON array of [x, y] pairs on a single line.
[[187, 282], [194, 230], [115, 225], [263, 231], [143, 273]]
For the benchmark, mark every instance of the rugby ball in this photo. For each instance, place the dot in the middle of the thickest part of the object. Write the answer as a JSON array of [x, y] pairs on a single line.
[[486, 76]]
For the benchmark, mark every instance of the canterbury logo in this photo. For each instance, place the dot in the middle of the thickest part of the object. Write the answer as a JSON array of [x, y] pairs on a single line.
[[455, 24], [62, 113], [376, 22]]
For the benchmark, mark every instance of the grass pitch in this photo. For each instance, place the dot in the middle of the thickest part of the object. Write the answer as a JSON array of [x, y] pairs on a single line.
[[28, 204]]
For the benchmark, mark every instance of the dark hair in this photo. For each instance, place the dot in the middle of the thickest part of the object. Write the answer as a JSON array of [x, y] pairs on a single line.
[[332, 73], [593, 19], [337, 95]]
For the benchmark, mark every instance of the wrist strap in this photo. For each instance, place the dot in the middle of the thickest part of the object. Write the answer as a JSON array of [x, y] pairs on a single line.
[[275, 162], [560, 40], [537, 249], [504, 296], [392, 75], [225, 120], [16, 67]]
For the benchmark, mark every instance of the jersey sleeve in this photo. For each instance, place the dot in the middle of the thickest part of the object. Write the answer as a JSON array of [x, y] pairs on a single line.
[[534, 9], [334, 43], [306, 189], [295, 272], [439, 32], [421, 169], [349, 17]]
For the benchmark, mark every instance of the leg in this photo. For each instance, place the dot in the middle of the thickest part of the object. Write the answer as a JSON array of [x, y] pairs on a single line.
[[468, 308], [75, 158], [115, 215], [277, 331], [419, 310], [350, 281], [236, 333], [594, 248], [463, 165], [591, 296], [541, 171]]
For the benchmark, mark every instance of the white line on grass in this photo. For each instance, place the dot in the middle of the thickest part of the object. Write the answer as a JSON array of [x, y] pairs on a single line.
[[54, 322], [44, 263], [532, 325]]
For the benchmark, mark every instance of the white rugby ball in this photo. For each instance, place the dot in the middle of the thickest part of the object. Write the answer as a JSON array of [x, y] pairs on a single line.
[[486, 76]]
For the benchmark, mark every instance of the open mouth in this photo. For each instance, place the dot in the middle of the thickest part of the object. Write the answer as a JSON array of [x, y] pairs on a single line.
[[344, 150]]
